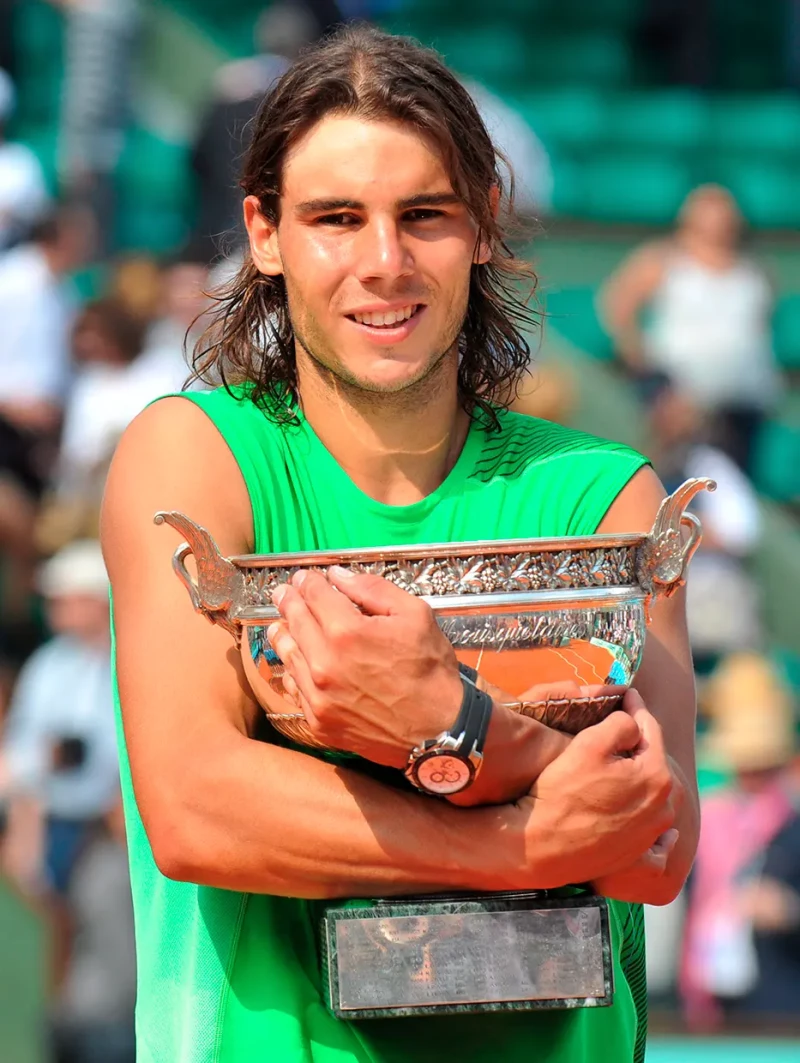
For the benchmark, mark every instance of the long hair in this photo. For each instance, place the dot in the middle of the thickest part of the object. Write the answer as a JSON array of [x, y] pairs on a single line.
[[365, 72]]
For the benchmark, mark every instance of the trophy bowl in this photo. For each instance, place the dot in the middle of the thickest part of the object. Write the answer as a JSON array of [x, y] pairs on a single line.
[[555, 628]]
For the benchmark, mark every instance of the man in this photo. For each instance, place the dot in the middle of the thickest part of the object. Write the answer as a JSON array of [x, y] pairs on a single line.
[[378, 273]]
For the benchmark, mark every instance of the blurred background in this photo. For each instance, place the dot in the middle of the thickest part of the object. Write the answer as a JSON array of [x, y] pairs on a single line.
[[656, 147]]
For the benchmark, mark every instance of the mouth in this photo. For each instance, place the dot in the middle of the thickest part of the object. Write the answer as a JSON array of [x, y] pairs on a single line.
[[389, 325]]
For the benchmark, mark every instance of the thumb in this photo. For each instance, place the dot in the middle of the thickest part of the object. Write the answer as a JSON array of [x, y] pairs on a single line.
[[374, 595]]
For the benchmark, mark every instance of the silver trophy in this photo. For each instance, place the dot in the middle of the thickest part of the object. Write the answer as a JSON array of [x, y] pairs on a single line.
[[555, 629]]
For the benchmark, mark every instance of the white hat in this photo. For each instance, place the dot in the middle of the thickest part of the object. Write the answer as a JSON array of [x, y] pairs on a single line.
[[8, 96], [78, 568]]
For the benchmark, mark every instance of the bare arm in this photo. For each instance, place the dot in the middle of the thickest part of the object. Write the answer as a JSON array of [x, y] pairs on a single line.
[[624, 296], [666, 684], [219, 807], [223, 809]]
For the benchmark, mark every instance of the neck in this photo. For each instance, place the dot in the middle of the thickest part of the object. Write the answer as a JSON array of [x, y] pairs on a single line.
[[717, 256], [397, 448]]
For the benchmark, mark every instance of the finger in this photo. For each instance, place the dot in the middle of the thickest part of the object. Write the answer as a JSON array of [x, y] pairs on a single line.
[[617, 734], [300, 621], [375, 595], [333, 611], [294, 662]]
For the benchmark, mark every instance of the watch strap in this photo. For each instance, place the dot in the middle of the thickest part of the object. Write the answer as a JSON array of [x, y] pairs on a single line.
[[472, 723]]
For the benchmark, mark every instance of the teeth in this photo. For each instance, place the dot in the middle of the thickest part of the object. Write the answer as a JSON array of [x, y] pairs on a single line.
[[391, 317]]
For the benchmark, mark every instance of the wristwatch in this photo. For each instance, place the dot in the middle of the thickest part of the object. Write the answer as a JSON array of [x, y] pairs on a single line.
[[450, 762]]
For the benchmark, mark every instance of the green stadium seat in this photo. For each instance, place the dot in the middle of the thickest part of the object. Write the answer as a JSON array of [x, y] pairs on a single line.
[[643, 187], [493, 54], [769, 123], [768, 191], [571, 116], [671, 119], [776, 461], [568, 193], [786, 332], [572, 313], [599, 59]]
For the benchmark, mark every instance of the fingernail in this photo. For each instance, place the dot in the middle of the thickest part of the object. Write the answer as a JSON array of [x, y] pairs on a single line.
[[341, 573], [272, 631], [299, 577], [278, 594]]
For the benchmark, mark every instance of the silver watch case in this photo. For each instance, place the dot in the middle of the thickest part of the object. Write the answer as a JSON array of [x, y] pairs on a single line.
[[440, 767]]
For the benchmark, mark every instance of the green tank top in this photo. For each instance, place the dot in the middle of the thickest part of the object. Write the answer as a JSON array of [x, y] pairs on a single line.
[[227, 977]]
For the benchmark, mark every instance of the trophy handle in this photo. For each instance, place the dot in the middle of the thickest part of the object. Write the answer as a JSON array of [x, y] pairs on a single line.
[[219, 590], [667, 551]]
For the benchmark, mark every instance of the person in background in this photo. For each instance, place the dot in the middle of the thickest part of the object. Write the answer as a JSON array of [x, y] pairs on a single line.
[[92, 1014], [283, 29], [36, 313], [722, 602], [99, 48], [710, 307], [731, 945], [106, 341], [23, 192], [179, 321], [58, 759]]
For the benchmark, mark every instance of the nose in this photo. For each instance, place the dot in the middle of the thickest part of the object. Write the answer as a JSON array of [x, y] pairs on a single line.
[[382, 251]]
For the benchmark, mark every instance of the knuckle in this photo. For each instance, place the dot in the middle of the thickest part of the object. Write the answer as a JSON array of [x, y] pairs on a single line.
[[320, 672]]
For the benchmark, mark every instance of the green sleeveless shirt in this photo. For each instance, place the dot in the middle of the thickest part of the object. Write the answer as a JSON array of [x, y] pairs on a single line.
[[226, 977]]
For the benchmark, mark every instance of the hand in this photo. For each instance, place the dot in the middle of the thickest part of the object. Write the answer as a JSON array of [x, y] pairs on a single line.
[[770, 905], [366, 662], [610, 797]]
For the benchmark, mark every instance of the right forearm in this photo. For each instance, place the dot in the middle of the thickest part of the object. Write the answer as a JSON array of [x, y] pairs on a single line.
[[263, 819]]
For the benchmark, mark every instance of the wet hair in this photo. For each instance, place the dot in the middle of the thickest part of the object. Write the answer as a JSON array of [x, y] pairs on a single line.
[[363, 72]]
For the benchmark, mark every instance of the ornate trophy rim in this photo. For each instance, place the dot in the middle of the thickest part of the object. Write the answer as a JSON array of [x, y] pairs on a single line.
[[438, 551]]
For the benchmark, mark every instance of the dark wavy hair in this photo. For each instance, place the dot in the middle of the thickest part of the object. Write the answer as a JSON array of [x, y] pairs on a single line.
[[362, 71]]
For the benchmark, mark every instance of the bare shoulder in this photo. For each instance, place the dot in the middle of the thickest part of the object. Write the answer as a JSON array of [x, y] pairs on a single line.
[[635, 507], [173, 457]]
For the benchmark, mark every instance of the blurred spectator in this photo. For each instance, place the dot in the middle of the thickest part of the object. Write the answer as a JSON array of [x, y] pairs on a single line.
[[736, 914], [118, 372], [23, 193], [94, 1007], [710, 307], [36, 311], [99, 51], [281, 32], [527, 156], [722, 601], [59, 751], [136, 284], [106, 340]]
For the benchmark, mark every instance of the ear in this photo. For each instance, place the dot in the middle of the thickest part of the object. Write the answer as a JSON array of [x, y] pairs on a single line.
[[483, 251], [263, 236]]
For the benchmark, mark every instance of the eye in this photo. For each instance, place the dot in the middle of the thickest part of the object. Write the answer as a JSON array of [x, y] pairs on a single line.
[[423, 214], [340, 219]]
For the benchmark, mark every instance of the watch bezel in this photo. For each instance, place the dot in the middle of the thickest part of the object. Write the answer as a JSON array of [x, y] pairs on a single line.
[[449, 754]]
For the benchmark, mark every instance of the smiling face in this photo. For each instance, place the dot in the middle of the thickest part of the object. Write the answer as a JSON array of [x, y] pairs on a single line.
[[375, 249]]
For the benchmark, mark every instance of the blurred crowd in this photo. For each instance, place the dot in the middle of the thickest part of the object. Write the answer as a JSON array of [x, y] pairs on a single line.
[[690, 317]]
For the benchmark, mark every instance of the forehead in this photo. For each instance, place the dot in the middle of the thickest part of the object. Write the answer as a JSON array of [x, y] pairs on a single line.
[[355, 158]]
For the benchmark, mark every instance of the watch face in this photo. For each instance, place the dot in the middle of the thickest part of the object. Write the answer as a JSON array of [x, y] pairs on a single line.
[[442, 773]]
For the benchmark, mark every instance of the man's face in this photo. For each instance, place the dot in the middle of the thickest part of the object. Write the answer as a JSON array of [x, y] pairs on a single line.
[[376, 251]]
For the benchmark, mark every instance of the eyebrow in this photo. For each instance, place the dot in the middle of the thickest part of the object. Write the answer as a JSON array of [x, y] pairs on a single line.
[[423, 199]]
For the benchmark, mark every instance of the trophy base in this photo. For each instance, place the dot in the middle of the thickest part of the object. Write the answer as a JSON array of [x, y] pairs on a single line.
[[468, 954]]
